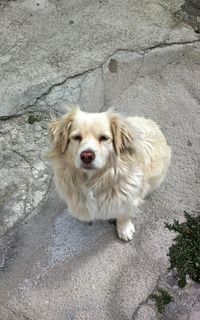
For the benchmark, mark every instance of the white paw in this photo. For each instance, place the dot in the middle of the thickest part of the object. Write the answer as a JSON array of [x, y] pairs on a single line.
[[125, 230]]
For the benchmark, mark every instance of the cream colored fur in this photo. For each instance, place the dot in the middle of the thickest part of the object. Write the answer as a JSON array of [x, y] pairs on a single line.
[[131, 163]]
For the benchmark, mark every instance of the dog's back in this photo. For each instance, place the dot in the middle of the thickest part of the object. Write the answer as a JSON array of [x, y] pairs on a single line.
[[151, 149]]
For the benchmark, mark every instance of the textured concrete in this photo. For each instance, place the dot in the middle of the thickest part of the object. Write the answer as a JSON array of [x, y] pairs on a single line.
[[44, 42], [24, 175], [139, 57]]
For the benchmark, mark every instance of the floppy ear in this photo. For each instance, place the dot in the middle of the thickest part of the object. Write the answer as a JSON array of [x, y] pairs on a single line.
[[59, 131], [122, 134]]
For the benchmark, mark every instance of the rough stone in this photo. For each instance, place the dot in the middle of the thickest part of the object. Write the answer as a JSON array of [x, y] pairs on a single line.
[[22, 171], [146, 312], [41, 48], [101, 275], [132, 56], [86, 90], [180, 308], [190, 13]]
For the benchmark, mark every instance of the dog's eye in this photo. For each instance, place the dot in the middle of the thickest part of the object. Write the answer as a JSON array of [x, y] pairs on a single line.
[[77, 137], [103, 138]]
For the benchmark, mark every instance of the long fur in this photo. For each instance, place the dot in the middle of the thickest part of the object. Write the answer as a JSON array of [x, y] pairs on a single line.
[[136, 165]]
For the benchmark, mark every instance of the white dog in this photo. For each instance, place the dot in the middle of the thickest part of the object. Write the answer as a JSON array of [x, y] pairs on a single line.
[[105, 164]]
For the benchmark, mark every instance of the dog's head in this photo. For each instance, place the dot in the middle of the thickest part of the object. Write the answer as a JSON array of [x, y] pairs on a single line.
[[89, 140]]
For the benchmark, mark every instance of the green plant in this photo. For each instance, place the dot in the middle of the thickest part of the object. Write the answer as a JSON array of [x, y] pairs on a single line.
[[162, 298], [184, 254], [33, 118]]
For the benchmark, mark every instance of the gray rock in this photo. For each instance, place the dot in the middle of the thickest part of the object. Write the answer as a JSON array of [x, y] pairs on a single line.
[[185, 305], [132, 56], [86, 90], [24, 176], [146, 312], [41, 48]]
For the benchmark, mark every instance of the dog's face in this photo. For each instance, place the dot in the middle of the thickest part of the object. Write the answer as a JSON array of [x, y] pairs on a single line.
[[90, 139]]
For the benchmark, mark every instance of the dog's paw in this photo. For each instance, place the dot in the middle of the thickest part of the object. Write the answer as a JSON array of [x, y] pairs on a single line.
[[125, 230]]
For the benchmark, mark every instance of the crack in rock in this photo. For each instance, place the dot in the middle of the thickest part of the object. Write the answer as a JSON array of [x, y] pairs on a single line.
[[95, 90], [190, 13], [43, 101], [25, 177], [81, 75]]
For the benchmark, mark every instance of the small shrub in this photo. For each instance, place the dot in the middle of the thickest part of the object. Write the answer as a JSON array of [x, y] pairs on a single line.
[[162, 298], [33, 118], [184, 254]]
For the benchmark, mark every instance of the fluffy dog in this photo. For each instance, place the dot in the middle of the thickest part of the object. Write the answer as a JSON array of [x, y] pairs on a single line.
[[105, 164]]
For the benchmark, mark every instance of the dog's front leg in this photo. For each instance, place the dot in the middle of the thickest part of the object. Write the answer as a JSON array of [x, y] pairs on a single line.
[[125, 228]]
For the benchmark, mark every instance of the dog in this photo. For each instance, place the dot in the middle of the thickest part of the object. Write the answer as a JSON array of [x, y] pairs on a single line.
[[105, 164]]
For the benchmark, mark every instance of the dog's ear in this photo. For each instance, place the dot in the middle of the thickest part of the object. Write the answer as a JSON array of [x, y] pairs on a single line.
[[59, 130], [122, 134]]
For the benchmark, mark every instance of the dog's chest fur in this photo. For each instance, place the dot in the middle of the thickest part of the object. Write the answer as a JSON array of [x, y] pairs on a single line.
[[103, 198]]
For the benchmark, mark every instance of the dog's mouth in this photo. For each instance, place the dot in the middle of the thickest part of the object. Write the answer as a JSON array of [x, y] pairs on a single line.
[[88, 167]]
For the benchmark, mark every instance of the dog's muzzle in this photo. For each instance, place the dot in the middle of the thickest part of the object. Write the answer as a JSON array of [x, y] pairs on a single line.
[[87, 157]]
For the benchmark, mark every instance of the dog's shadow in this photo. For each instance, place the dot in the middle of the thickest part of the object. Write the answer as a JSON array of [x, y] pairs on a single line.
[[71, 236]]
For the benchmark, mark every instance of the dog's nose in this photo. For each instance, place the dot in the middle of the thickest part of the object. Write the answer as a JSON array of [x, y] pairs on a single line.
[[87, 156]]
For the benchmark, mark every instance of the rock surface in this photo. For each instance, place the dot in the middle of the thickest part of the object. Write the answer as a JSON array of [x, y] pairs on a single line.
[[45, 42], [138, 57]]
